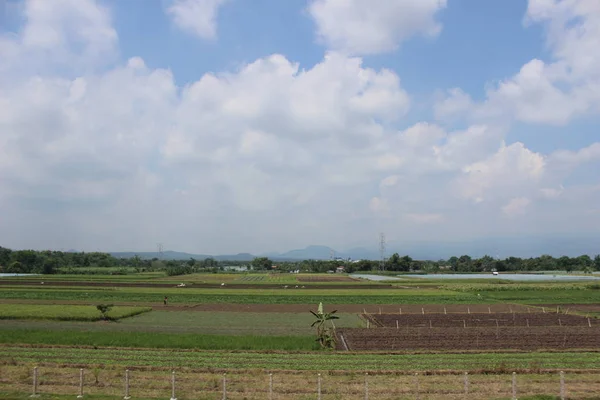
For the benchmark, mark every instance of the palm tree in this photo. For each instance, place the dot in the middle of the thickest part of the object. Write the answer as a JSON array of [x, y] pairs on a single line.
[[325, 334]]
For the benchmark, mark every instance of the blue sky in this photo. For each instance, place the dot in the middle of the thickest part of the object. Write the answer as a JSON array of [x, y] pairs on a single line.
[[280, 124]]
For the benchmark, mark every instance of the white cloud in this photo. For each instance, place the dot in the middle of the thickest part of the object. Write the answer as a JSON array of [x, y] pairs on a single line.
[[425, 218], [545, 92], [71, 34], [511, 169], [270, 155], [373, 26], [198, 17], [516, 206]]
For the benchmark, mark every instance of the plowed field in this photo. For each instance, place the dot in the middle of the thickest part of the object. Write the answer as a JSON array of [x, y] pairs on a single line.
[[504, 338], [478, 320]]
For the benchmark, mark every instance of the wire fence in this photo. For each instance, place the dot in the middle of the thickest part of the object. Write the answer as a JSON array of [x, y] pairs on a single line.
[[146, 384]]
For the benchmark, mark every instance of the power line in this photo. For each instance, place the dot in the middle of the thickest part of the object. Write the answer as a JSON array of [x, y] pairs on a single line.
[[159, 247]]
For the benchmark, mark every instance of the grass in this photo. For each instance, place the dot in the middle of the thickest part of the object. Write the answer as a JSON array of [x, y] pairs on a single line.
[[547, 296], [200, 322], [168, 357], [244, 296], [155, 340], [65, 312], [107, 383]]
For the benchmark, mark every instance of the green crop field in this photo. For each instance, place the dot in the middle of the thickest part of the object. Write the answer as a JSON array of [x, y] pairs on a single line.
[[65, 312], [244, 296], [199, 322], [245, 331]]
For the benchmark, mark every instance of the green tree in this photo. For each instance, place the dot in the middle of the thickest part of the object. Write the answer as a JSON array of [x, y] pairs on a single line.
[[393, 263], [262, 263], [597, 262]]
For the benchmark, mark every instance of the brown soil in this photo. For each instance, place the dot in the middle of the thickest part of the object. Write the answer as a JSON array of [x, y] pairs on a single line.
[[504, 338], [573, 307], [479, 320], [477, 331]]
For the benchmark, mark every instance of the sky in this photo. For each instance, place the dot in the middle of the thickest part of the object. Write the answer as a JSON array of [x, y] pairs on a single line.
[[226, 126]]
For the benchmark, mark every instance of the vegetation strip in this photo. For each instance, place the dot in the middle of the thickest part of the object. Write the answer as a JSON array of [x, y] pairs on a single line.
[[476, 362], [67, 313]]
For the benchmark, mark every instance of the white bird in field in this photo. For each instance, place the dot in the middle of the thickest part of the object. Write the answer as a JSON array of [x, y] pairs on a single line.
[[222, 284]]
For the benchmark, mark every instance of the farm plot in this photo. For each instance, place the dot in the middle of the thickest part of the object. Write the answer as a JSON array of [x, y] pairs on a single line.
[[326, 278], [65, 313], [447, 338], [478, 320]]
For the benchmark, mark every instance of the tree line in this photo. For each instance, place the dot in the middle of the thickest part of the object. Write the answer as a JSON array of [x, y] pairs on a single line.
[[51, 262]]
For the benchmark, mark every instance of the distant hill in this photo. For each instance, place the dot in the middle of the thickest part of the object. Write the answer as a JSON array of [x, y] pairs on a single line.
[[167, 255], [526, 246]]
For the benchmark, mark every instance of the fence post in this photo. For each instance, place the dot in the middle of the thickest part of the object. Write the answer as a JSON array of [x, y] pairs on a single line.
[[127, 396], [466, 383], [173, 386], [319, 387], [35, 382], [514, 386], [562, 385], [80, 395], [417, 384], [366, 386], [224, 386], [398, 325], [270, 386]]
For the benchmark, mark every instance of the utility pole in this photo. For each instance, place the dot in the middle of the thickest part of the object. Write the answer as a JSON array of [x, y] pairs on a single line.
[[382, 251]]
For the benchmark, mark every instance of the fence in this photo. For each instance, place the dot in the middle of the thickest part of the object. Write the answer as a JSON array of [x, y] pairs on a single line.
[[306, 385]]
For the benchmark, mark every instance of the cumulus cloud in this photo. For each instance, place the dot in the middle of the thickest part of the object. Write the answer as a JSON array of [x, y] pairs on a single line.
[[272, 155], [197, 17], [545, 92], [373, 26], [516, 206]]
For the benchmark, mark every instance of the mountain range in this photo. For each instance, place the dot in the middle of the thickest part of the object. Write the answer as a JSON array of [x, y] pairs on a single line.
[[530, 246]]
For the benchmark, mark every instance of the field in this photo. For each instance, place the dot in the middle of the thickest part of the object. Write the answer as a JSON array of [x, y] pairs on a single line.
[[249, 325], [62, 313]]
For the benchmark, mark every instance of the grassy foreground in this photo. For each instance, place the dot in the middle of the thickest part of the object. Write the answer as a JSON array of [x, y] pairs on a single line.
[[300, 361], [66, 312]]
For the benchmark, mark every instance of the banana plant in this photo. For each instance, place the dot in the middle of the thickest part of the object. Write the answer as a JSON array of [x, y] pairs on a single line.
[[325, 334]]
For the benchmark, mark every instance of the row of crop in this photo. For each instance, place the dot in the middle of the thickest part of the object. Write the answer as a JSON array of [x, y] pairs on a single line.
[[297, 361], [233, 297]]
